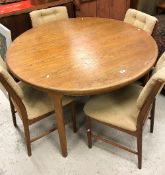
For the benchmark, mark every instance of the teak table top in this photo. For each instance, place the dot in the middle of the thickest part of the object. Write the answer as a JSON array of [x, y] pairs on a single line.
[[82, 56]]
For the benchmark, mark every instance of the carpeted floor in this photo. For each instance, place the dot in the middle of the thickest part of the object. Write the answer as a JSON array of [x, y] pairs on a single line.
[[102, 159]]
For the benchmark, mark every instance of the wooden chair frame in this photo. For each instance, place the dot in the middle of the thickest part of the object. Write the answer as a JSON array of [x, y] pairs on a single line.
[[17, 105], [148, 106]]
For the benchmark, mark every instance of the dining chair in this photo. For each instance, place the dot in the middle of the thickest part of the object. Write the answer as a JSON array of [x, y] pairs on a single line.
[[31, 105], [43, 16], [126, 109], [141, 20]]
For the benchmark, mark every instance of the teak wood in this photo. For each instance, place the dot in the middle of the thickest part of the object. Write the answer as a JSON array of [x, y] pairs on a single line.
[[81, 56]]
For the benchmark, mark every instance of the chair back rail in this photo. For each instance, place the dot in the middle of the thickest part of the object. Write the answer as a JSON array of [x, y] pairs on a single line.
[[43, 16], [15, 98], [141, 20], [143, 114]]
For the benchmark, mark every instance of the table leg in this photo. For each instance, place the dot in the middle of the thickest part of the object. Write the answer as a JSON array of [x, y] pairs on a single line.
[[60, 122]]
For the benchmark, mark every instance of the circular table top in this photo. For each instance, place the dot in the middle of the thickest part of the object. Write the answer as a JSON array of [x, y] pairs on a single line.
[[82, 56]]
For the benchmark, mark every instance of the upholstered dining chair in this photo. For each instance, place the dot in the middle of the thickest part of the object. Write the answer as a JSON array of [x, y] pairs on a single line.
[[39, 17], [141, 20], [30, 104], [126, 109]]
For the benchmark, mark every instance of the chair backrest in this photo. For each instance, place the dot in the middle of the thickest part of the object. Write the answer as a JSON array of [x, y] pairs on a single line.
[[9, 83], [5, 40], [2, 63], [140, 20], [39, 17], [160, 63], [14, 90], [151, 89]]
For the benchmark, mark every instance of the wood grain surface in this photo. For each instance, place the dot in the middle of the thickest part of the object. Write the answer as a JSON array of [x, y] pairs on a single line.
[[82, 56]]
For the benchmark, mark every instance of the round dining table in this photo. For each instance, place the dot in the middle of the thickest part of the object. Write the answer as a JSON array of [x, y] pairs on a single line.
[[81, 56]]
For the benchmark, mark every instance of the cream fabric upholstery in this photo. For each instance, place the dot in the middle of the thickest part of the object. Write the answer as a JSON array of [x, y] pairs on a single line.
[[159, 75], [2, 63], [37, 103], [140, 20], [11, 81], [121, 108], [117, 108], [4, 66], [161, 62], [39, 17]]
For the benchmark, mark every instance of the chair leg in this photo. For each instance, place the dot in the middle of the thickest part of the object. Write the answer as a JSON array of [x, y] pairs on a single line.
[[152, 117], [27, 139], [89, 132], [139, 149], [13, 112], [73, 115]]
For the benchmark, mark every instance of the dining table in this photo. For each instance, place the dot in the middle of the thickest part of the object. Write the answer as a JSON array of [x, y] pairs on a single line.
[[81, 57]]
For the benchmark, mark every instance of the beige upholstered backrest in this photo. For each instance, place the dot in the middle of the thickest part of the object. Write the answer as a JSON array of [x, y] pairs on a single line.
[[9, 83], [2, 63], [160, 63], [159, 75], [140, 20], [39, 17]]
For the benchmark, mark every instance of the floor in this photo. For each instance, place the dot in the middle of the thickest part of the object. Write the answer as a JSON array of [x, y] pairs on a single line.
[[102, 159]]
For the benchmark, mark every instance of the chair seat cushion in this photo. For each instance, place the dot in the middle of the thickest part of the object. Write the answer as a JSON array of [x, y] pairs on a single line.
[[118, 108], [37, 102]]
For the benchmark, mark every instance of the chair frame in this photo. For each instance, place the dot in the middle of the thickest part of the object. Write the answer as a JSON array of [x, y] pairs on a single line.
[[148, 106], [17, 105]]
